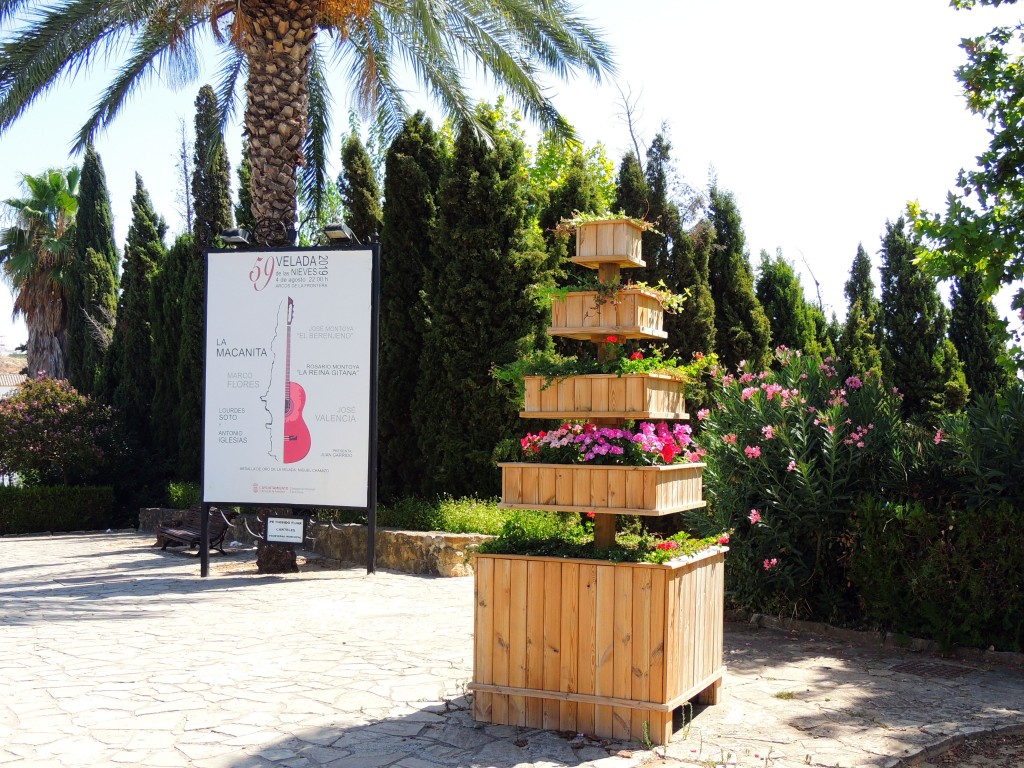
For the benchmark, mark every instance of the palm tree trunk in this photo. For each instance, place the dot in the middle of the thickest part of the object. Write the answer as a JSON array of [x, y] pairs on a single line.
[[47, 354], [277, 45]]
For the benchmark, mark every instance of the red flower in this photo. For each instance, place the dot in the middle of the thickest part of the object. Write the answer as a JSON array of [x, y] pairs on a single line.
[[668, 545], [612, 340], [723, 539], [637, 356], [590, 515], [669, 452]]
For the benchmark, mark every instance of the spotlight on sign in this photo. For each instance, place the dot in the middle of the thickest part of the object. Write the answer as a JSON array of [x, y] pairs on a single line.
[[239, 238], [340, 233]]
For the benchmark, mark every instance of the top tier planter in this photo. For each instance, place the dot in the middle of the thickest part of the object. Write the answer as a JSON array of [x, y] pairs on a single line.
[[612, 241]]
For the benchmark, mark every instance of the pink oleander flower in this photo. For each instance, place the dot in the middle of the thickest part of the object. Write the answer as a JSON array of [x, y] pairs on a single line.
[[854, 383], [938, 436], [768, 432], [730, 438], [754, 517], [769, 564], [703, 413], [747, 393], [753, 451], [791, 466]]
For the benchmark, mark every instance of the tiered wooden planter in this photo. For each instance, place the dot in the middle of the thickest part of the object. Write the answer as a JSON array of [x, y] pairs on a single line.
[[608, 488], [605, 649], [611, 650], [633, 396], [631, 313]]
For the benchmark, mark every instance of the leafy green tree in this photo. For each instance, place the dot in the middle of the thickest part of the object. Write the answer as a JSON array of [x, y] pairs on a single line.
[[36, 257], [662, 212], [211, 188], [243, 211], [129, 374], [166, 323], [279, 45], [92, 300], [858, 345], [982, 228], [693, 328], [913, 323], [782, 297], [481, 309], [412, 173], [971, 323], [360, 192], [742, 331]]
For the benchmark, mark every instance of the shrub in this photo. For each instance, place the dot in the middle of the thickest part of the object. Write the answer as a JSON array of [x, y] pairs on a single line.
[[788, 452], [54, 508], [183, 494], [448, 514], [50, 434], [955, 576]]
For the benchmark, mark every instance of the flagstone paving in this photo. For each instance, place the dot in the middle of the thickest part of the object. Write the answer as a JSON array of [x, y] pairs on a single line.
[[113, 653]]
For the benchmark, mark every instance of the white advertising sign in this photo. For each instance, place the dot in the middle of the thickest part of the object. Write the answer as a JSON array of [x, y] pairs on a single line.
[[288, 343]]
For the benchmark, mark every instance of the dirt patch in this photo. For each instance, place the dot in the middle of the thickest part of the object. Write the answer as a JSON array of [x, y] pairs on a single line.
[[10, 364], [985, 750]]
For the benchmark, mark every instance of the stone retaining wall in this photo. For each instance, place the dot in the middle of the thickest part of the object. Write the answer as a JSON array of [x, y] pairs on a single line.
[[432, 552]]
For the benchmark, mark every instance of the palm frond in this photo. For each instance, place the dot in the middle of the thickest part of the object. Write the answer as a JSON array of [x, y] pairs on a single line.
[[314, 177], [233, 66]]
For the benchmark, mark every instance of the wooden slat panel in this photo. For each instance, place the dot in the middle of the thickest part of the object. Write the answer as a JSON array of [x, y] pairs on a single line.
[[575, 311], [517, 611], [500, 645], [569, 645], [599, 393], [532, 387], [546, 489], [564, 486], [659, 615], [586, 651], [641, 669], [622, 684], [535, 640], [635, 389], [634, 489], [581, 490], [604, 675], [617, 486], [673, 636], [687, 607], [484, 632], [606, 240], [581, 393], [617, 394], [598, 487], [549, 397], [530, 486], [552, 639]]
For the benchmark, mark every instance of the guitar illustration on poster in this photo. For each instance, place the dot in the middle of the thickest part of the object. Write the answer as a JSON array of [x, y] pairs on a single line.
[[296, 433]]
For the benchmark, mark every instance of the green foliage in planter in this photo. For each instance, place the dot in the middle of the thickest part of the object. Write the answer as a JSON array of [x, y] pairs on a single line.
[[955, 576], [787, 453], [55, 509], [554, 534], [448, 514]]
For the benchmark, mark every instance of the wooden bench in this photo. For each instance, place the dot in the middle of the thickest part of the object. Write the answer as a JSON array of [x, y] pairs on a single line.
[[187, 530]]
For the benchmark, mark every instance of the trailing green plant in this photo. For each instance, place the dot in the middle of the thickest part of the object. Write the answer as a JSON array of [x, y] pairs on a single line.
[[608, 291], [788, 451], [579, 218], [54, 509], [563, 534]]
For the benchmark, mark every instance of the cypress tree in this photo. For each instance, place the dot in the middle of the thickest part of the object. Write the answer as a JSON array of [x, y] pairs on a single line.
[[360, 192], [662, 212], [858, 345], [972, 325], [92, 299], [633, 198], [577, 190], [782, 297], [913, 323], [130, 380], [742, 331], [166, 322], [190, 369], [693, 328], [481, 310], [243, 211], [211, 189], [412, 173]]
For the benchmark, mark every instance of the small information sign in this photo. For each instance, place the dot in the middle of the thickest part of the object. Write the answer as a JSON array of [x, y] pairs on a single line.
[[285, 530]]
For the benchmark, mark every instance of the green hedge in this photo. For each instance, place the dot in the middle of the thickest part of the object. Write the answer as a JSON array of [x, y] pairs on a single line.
[[55, 509]]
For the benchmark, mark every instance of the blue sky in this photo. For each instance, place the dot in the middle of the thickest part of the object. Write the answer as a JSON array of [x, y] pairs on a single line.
[[824, 119]]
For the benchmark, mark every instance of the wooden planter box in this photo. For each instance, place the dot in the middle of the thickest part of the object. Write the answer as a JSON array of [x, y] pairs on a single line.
[[609, 489], [594, 647], [608, 242], [629, 314], [632, 396]]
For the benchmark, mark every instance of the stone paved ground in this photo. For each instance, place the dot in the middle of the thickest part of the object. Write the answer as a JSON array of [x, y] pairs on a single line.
[[115, 654]]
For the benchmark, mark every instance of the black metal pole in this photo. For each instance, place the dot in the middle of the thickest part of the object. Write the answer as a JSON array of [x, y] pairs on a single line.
[[371, 495], [204, 540]]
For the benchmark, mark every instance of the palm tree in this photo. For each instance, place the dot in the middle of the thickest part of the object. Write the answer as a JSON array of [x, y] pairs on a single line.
[[280, 48], [36, 254]]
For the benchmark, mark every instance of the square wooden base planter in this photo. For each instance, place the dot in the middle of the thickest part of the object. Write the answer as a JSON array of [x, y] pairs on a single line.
[[610, 650], [609, 489], [632, 396], [629, 314], [616, 241]]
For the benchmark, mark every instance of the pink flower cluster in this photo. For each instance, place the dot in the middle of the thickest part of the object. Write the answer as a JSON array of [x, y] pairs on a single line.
[[769, 564], [661, 440], [857, 435], [588, 442]]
